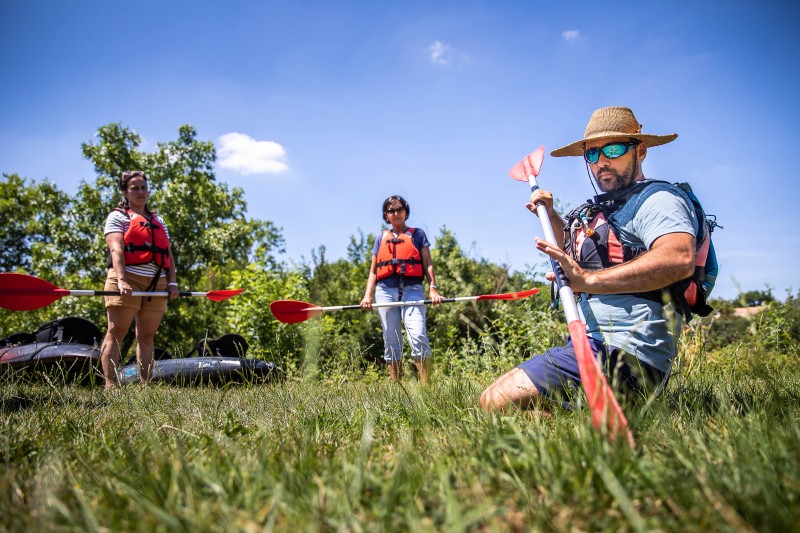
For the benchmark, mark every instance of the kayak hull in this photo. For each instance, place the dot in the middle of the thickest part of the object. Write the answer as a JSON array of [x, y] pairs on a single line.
[[64, 362], [190, 371]]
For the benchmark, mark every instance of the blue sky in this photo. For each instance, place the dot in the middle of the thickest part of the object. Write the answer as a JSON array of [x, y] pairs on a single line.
[[320, 110]]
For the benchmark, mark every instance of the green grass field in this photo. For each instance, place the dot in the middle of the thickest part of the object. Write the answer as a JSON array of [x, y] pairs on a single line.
[[717, 453]]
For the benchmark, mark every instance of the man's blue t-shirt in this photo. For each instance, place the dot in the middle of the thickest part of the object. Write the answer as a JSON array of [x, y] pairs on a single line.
[[420, 241], [636, 325]]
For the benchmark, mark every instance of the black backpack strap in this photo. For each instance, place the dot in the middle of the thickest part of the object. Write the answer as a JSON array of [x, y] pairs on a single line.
[[154, 282]]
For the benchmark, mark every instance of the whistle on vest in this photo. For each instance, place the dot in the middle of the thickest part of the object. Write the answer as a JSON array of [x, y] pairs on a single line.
[[585, 224]]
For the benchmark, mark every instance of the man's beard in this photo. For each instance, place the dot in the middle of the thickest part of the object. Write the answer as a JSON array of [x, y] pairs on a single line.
[[619, 180]]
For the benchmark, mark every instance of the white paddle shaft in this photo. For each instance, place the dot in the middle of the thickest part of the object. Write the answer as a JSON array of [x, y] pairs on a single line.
[[401, 304], [79, 292], [565, 293]]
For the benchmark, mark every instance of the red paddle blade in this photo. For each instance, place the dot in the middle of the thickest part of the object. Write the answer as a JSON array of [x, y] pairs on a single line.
[[509, 295], [21, 292], [605, 409], [292, 311], [221, 296], [530, 165]]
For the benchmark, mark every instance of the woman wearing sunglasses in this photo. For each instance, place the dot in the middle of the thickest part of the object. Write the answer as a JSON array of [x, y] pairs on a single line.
[[621, 252], [401, 260], [139, 259]]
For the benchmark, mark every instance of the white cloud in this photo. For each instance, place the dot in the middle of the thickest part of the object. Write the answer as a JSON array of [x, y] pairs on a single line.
[[245, 155], [441, 53], [569, 35]]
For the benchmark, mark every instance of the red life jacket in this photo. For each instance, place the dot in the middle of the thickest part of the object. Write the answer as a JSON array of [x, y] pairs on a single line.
[[145, 241], [398, 255]]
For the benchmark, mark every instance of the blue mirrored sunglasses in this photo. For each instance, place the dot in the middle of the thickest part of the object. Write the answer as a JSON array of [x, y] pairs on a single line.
[[611, 151]]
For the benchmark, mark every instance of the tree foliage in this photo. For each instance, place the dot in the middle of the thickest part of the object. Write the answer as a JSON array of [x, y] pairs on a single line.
[[756, 298], [32, 213]]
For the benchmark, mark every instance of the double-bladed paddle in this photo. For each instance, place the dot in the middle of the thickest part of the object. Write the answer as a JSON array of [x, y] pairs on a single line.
[[21, 292], [293, 311], [605, 408]]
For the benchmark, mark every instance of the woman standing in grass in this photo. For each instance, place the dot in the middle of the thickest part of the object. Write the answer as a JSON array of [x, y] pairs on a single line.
[[140, 259], [401, 260]]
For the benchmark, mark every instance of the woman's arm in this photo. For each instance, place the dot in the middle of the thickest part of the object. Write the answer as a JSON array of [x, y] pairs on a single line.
[[366, 301], [116, 247], [172, 277], [427, 265]]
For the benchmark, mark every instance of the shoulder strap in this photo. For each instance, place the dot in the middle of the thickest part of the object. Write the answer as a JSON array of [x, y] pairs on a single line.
[[628, 210]]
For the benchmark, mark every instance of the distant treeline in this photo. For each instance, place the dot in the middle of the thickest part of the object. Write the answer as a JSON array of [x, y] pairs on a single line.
[[57, 236]]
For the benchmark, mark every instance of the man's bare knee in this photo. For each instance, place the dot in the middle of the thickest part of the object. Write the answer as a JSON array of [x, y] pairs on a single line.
[[512, 388]]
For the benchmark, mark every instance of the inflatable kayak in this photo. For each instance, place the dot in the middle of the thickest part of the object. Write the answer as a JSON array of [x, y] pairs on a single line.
[[218, 361], [66, 349], [70, 361], [204, 370]]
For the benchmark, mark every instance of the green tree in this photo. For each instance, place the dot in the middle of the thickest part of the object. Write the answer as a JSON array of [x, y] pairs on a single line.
[[35, 220], [458, 274], [342, 282], [756, 298], [32, 213]]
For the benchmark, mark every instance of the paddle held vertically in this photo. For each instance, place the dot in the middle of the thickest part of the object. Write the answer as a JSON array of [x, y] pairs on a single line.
[[606, 412]]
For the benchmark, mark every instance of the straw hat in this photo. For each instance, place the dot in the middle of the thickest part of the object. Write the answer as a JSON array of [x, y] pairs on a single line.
[[610, 122]]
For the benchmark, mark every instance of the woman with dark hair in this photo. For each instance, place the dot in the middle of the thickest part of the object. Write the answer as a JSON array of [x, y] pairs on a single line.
[[401, 260], [139, 259]]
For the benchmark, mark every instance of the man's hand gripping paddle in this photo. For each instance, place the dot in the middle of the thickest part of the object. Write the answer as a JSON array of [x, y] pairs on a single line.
[[21, 292], [293, 311], [606, 411]]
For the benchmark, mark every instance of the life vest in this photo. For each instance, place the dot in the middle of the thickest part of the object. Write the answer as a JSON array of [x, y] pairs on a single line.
[[591, 237], [398, 255], [145, 241]]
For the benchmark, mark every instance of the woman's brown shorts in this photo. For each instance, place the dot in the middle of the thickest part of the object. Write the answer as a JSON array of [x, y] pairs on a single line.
[[138, 283]]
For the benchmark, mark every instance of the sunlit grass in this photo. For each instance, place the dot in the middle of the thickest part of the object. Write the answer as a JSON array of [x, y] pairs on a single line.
[[310, 455]]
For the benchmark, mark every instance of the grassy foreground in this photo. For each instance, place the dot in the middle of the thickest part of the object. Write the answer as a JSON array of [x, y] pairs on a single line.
[[370, 455]]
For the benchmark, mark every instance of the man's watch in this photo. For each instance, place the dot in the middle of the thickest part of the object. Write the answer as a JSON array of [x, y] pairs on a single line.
[[433, 286]]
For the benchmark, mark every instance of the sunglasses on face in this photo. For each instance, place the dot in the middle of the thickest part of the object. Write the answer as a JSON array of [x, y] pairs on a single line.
[[611, 151], [128, 174], [395, 211]]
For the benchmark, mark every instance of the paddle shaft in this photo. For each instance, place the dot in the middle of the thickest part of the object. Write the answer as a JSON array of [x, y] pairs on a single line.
[[71, 292], [78, 292], [21, 292], [401, 304], [565, 293], [606, 410]]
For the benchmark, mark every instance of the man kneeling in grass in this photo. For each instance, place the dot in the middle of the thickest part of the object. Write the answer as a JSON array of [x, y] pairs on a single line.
[[618, 269]]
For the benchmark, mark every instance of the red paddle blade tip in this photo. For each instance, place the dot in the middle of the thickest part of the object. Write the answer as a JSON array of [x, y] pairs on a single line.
[[292, 311], [607, 414], [221, 296], [509, 295], [531, 164], [21, 292]]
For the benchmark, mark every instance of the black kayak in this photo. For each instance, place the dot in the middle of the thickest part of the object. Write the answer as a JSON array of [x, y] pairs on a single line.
[[65, 361], [204, 370], [65, 350]]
